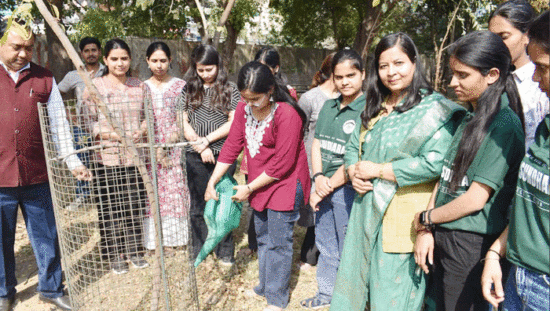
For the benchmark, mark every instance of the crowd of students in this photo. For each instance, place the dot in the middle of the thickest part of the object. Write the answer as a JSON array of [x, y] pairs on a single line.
[[417, 198]]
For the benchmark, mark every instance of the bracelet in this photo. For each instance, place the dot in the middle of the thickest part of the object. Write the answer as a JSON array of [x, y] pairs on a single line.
[[249, 189], [482, 260], [317, 175], [426, 219], [208, 140], [430, 217], [492, 250], [381, 172]]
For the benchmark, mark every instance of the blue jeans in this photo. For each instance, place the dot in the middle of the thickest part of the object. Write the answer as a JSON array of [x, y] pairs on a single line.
[[82, 140], [331, 223], [37, 209], [274, 232], [526, 290]]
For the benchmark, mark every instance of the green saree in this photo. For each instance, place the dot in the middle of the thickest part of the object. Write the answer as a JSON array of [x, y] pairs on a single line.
[[415, 142]]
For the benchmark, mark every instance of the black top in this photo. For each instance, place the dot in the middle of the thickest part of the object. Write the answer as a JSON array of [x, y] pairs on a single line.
[[205, 119]]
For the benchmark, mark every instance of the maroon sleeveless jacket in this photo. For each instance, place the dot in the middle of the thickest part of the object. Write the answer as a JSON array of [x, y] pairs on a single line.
[[22, 160]]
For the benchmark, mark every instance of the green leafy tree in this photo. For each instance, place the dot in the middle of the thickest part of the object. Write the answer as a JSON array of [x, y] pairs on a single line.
[[242, 13], [349, 23], [115, 18], [309, 23]]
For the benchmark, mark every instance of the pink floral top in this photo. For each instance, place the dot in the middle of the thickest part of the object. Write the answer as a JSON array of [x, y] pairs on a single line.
[[125, 103]]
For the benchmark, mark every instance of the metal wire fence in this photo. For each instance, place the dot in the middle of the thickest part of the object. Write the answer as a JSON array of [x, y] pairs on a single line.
[[124, 243]]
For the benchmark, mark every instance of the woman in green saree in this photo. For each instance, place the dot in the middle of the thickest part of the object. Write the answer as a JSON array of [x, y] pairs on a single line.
[[398, 153]]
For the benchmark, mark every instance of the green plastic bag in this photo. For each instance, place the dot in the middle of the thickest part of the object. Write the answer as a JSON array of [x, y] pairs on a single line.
[[221, 216]]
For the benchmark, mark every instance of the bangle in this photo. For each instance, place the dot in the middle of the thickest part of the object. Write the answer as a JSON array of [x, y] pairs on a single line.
[[492, 250], [249, 189], [317, 175], [381, 172], [208, 140]]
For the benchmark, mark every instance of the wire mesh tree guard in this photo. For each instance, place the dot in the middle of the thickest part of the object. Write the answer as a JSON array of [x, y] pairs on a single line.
[[124, 235]]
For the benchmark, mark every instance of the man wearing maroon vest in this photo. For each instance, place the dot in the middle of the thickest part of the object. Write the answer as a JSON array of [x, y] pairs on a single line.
[[23, 175]]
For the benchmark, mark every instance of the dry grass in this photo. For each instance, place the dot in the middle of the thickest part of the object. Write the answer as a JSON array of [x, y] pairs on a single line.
[[219, 287], [222, 288]]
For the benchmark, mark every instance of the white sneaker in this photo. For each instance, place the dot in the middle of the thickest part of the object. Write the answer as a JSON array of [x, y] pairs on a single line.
[[76, 205]]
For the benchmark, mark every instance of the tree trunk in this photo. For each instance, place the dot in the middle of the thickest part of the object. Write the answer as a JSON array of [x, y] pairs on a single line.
[[230, 44], [369, 26], [223, 20], [57, 56]]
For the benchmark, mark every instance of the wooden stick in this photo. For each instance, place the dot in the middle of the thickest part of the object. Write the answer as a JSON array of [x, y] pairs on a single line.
[[126, 141]]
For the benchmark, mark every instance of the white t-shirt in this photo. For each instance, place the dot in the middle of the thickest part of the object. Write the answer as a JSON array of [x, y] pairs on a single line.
[[534, 101]]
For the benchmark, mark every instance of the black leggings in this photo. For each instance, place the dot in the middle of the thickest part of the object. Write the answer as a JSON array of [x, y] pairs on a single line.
[[121, 202], [198, 174]]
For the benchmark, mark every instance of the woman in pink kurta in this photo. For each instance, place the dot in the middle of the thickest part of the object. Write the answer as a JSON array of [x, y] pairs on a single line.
[[172, 184], [279, 183], [121, 198]]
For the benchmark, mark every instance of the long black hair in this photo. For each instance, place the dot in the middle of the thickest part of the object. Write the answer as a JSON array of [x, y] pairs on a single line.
[[114, 44], [519, 13], [483, 50], [258, 78], [347, 55], [324, 73], [156, 46], [221, 96], [269, 56], [538, 32], [376, 91]]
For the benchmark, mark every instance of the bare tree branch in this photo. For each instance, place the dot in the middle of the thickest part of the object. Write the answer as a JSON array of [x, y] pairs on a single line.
[[203, 20], [438, 70]]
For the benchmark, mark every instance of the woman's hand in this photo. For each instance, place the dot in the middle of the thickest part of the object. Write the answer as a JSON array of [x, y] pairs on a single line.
[[314, 200], [110, 136], [191, 135], [492, 275], [210, 192], [174, 137], [323, 186], [417, 225], [202, 144], [360, 185], [243, 192], [367, 170], [138, 135], [163, 158], [424, 247], [82, 173], [207, 156]]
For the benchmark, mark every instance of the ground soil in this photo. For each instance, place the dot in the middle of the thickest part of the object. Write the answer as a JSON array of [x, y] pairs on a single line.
[[219, 287]]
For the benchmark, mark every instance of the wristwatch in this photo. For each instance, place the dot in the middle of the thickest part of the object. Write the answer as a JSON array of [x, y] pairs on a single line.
[[425, 220]]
